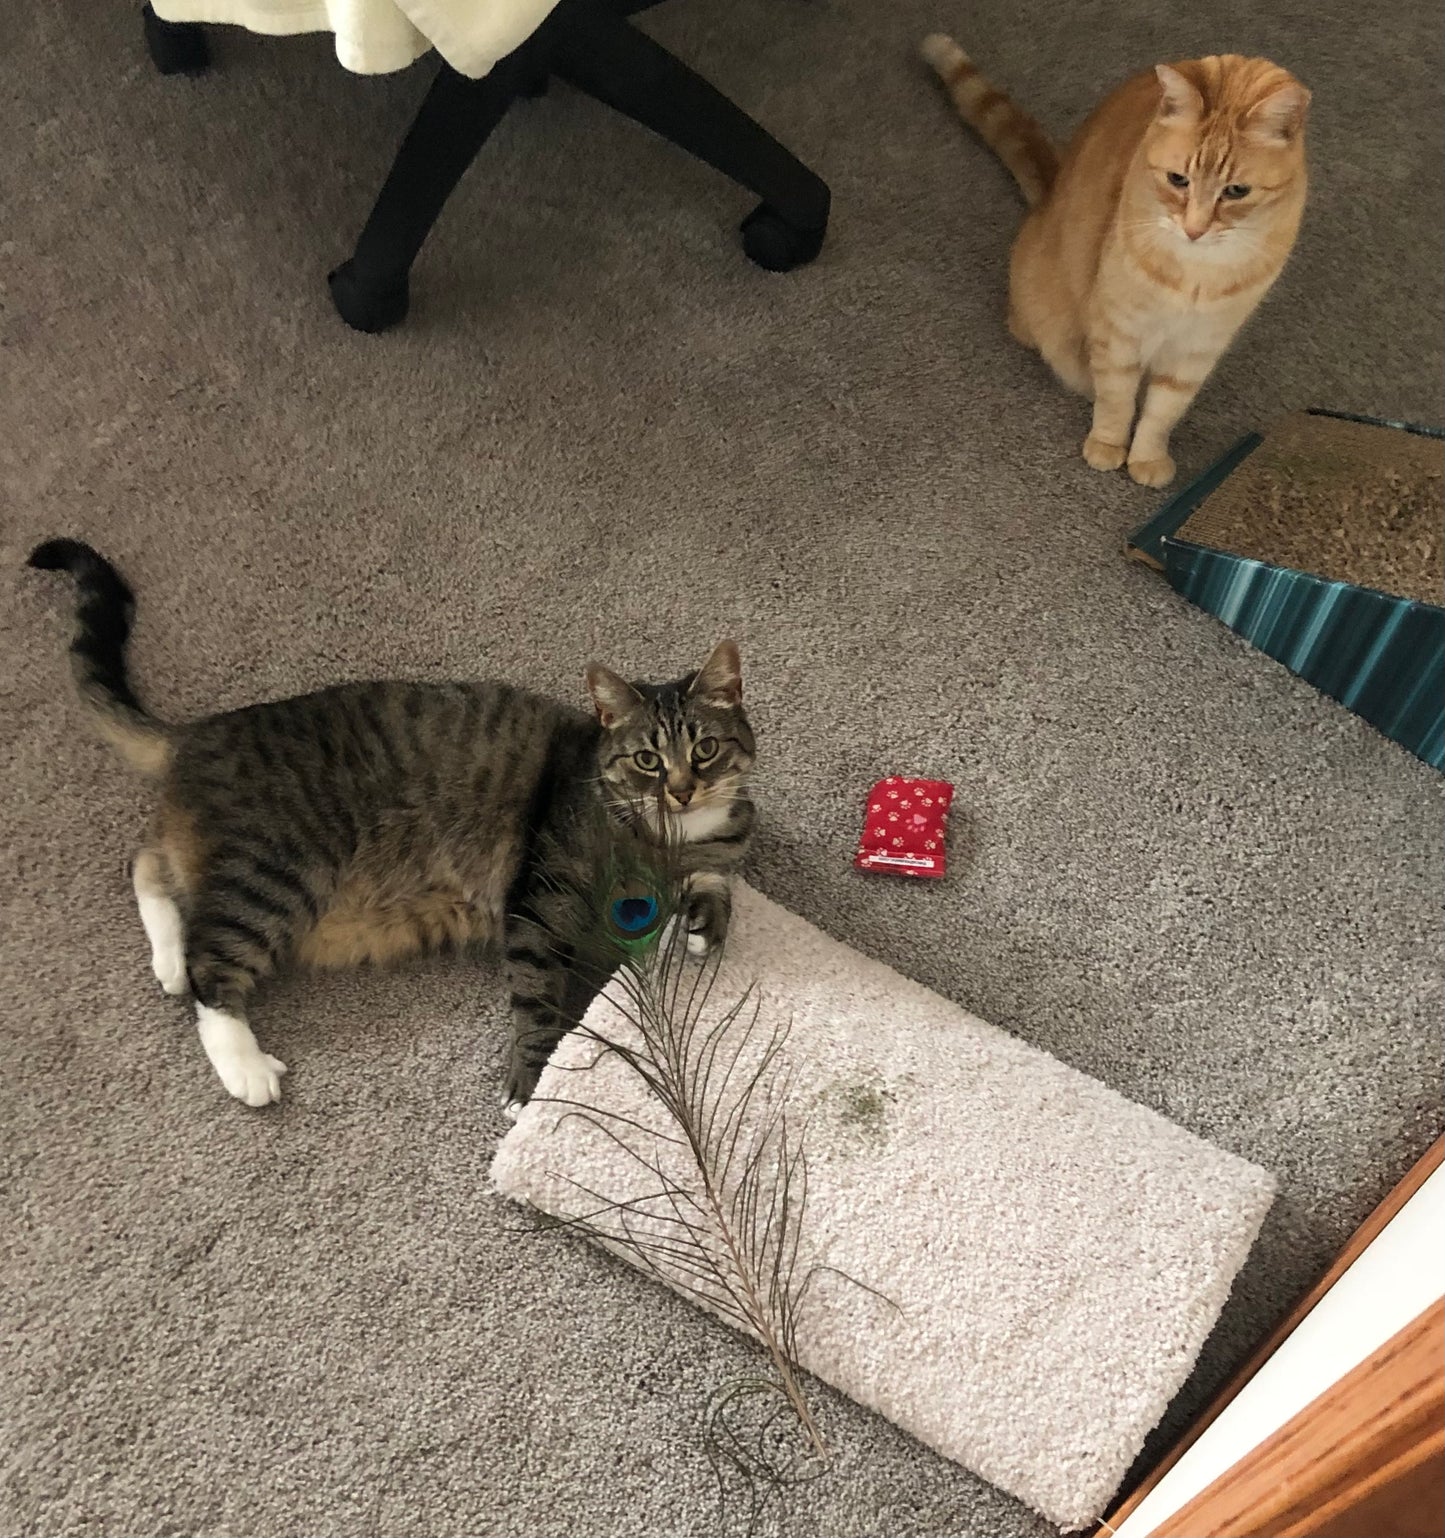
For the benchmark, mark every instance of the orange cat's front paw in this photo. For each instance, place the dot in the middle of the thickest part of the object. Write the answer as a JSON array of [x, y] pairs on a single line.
[[1102, 455], [1152, 472]]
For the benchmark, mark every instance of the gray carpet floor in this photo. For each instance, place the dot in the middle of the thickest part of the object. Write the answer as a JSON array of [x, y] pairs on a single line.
[[605, 434]]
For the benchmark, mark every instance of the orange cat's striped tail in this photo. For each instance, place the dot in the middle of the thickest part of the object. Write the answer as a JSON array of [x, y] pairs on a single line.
[[1008, 130]]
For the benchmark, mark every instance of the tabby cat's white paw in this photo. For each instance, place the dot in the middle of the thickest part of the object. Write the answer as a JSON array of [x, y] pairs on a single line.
[[170, 971], [255, 1079], [698, 943], [247, 1072], [162, 922], [512, 1109]]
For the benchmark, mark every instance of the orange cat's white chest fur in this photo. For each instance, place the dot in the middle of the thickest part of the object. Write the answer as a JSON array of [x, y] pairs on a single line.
[[1171, 305], [1152, 239]]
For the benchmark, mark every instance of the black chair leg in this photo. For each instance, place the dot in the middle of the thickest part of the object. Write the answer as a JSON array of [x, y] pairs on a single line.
[[601, 53], [590, 44], [175, 47], [371, 291]]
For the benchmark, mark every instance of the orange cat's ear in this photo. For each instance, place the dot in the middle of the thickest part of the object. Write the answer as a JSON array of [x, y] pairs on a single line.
[[1281, 115], [1179, 99]]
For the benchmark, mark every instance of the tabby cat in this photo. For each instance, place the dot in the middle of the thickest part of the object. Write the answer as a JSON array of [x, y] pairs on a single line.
[[1151, 241], [369, 821]]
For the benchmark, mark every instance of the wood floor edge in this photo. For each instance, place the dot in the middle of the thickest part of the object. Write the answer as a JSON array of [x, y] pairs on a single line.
[[1359, 1241], [1378, 1421]]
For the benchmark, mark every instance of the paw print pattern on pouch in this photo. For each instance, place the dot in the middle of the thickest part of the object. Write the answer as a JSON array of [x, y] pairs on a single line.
[[905, 827]]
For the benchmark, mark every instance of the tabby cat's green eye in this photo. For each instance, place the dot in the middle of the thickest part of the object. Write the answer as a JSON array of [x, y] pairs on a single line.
[[648, 761], [1234, 191], [704, 748]]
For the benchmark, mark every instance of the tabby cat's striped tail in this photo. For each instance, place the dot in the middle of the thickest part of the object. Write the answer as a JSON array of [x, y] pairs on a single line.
[[1008, 130], [103, 613]]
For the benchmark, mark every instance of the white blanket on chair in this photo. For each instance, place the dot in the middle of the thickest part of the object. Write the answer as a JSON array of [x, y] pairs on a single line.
[[374, 37], [1056, 1254]]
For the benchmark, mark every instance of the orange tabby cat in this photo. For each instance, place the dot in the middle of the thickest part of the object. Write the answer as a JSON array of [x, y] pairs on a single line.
[[1153, 238]]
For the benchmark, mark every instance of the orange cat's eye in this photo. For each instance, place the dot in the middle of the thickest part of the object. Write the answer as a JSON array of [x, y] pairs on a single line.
[[1234, 191], [1177, 179]]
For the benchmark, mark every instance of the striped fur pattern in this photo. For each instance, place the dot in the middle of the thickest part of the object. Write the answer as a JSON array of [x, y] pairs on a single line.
[[1006, 128], [1152, 240], [371, 821], [103, 618]]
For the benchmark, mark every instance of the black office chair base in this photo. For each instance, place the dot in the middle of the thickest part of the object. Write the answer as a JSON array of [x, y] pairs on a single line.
[[591, 45], [176, 47], [367, 309], [775, 244]]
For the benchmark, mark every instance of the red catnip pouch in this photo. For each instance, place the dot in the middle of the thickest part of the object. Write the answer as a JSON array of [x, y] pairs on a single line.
[[904, 826]]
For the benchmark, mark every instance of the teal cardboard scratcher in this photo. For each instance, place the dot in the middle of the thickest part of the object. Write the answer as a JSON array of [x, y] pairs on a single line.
[[1318, 543]]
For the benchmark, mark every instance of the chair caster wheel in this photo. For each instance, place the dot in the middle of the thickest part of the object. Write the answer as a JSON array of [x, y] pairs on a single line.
[[365, 309], [176, 47], [773, 243]]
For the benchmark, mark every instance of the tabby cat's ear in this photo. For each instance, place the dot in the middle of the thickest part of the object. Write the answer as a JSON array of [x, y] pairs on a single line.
[[612, 697], [719, 681], [1180, 99], [1281, 115]]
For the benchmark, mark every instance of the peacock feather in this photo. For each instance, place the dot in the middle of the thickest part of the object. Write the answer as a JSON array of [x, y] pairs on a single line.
[[631, 884], [726, 1179]]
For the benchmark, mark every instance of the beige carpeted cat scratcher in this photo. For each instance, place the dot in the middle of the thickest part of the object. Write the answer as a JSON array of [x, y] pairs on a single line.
[[1052, 1254]]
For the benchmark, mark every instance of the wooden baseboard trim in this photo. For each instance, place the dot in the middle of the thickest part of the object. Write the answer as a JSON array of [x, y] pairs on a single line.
[[1351, 1449], [1363, 1236]]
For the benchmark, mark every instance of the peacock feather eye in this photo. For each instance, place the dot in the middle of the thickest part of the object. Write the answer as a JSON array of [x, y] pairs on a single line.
[[634, 915]]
